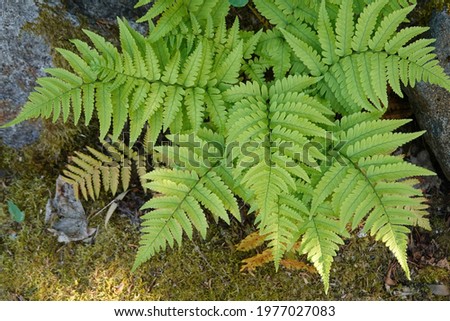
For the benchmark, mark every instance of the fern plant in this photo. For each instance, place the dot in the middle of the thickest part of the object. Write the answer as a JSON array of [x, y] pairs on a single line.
[[287, 120], [357, 53], [105, 170]]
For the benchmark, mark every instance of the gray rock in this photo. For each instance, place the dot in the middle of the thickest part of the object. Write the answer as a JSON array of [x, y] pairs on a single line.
[[21, 134], [23, 57], [108, 11], [430, 103], [105, 9]]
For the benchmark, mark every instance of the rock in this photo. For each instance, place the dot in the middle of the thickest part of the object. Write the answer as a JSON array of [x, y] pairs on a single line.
[[439, 289], [105, 9], [430, 103], [66, 215], [24, 55]]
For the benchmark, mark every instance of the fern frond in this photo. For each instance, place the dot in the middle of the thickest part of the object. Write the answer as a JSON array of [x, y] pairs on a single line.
[[228, 71], [387, 28], [169, 21], [250, 242], [329, 181], [321, 242], [186, 191], [292, 264], [170, 74], [273, 142], [326, 36], [191, 68], [250, 264], [143, 84], [402, 38], [215, 106], [173, 103], [378, 144], [251, 41], [157, 8], [265, 122], [356, 59], [272, 12], [366, 25], [104, 105], [292, 84], [79, 65], [274, 51], [367, 185], [247, 89], [90, 173], [281, 230]]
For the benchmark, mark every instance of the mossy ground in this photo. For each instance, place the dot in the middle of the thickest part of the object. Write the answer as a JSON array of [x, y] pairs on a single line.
[[34, 266]]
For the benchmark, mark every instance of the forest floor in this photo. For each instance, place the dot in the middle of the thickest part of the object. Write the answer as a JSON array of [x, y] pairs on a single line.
[[34, 266]]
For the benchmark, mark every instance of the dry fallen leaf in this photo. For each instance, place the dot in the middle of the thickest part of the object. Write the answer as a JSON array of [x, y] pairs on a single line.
[[389, 279], [439, 289], [66, 215], [112, 208], [443, 264]]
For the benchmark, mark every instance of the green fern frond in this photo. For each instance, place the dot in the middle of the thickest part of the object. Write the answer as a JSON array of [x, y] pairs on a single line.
[[304, 52], [157, 8], [357, 54], [275, 52], [172, 17], [366, 25], [367, 185], [142, 85], [215, 106], [302, 143], [387, 28], [344, 28], [276, 126], [195, 184], [320, 243], [186, 17], [326, 35], [272, 12], [228, 70], [281, 228]]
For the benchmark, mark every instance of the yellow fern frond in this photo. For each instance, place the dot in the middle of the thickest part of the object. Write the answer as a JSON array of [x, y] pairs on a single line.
[[250, 264], [292, 264], [250, 242], [90, 173]]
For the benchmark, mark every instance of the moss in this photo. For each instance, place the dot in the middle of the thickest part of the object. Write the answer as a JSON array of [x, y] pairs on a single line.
[[425, 9], [433, 275], [36, 267], [33, 266], [57, 30]]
